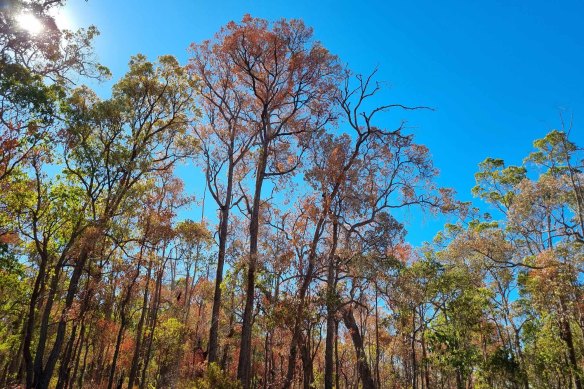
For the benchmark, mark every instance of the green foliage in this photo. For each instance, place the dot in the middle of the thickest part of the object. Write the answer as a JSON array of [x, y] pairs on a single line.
[[552, 151], [495, 183], [90, 246], [501, 369], [215, 378], [27, 94], [15, 292]]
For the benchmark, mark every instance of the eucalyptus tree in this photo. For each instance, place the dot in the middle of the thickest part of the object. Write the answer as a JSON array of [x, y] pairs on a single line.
[[286, 80], [36, 68], [225, 140], [108, 147], [360, 176]]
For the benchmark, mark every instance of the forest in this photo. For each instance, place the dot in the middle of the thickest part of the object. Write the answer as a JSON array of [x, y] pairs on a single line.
[[305, 277]]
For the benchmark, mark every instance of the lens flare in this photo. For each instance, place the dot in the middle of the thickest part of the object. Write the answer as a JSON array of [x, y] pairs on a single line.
[[29, 23]]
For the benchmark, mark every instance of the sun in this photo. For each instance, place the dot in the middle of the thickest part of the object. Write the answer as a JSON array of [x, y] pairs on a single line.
[[29, 23]]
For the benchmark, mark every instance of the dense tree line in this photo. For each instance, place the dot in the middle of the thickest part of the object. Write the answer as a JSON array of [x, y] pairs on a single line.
[[305, 278]]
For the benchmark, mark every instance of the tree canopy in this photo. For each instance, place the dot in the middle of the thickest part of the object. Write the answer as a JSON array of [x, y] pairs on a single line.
[[306, 277]]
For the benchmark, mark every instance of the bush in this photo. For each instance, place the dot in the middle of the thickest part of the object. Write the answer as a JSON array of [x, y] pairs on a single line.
[[215, 378]]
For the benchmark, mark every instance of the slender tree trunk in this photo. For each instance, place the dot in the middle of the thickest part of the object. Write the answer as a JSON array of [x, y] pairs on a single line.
[[66, 358], [44, 325], [362, 365], [244, 373], [230, 334], [337, 364], [30, 323], [377, 345], [413, 348], [297, 328], [307, 366], [45, 377], [459, 380], [79, 351], [124, 320], [153, 320], [425, 361], [223, 229], [139, 329], [83, 367], [567, 337], [112, 373], [72, 346], [331, 307]]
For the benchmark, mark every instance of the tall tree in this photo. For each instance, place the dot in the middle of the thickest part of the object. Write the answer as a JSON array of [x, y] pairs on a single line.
[[225, 140], [109, 147], [35, 71], [287, 80]]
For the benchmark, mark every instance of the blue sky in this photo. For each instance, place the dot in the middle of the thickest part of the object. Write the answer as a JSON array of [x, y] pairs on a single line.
[[498, 73]]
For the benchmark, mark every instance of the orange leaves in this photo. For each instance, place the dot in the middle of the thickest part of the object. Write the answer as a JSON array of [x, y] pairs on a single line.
[[275, 68], [549, 264], [9, 237], [402, 252]]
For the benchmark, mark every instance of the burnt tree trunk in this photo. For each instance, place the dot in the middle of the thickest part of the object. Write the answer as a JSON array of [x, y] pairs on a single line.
[[362, 365]]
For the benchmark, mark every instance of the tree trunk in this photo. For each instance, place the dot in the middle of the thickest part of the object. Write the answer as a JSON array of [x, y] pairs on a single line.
[[66, 358], [79, 351], [297, 328], [413, 348], [139, 330], [362, 365], [45, 377], [377, 345], [307, 366], [223, 229], [30, 322], [566, 334], [331, 308], [153, 319], [245, 353], [112, 373]]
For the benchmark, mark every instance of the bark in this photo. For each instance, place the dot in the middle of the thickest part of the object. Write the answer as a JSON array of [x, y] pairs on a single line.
[[83, 368], [245, 352], [425, 361], [331, 300], [79, 351], [42, 380], [66, 358], [337, 364], [377, 345], [153, 319], [223, 229], [297, 328], [44, 325], [567, 337], [124, 320], [413, 348], [112, 373], [307, 365], [230, 333], [362, 365], [30, 323], [139, 331]]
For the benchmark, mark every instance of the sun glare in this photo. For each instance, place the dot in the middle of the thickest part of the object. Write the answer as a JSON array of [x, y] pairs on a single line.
[[30, 23], [63, 19]]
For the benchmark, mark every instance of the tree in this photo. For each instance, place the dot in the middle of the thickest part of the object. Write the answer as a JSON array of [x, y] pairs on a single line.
[[287, 80], [225, 140], [109, 146], [35, 71]]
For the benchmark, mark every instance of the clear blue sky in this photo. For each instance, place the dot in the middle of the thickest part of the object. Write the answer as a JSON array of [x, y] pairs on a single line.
[[498, 73]]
